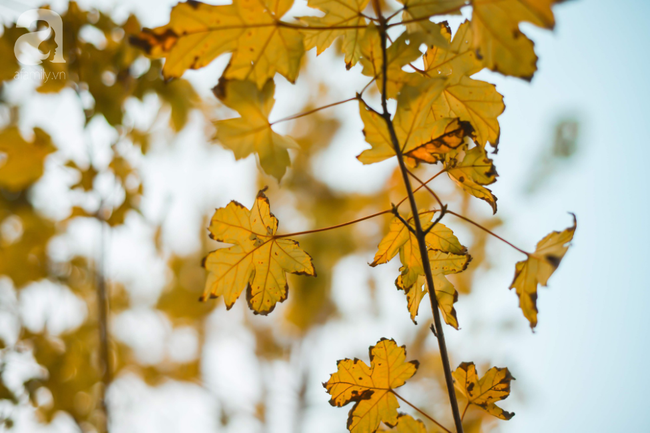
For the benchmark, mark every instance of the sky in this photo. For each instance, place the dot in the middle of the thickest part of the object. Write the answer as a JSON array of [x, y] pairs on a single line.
[[584, 368]]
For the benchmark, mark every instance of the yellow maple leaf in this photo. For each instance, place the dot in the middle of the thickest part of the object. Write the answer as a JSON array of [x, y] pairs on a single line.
[[347, 14], [494, 386], [258, 261], [446, 256], [398, 54], [497, 39], [473, 172], [371, 388], [412, 126], [417, 12], [538, 268], [473, 101], [452, 139], [440, 238], [21, 161], [198, 33], [252, 132], [442, 263]]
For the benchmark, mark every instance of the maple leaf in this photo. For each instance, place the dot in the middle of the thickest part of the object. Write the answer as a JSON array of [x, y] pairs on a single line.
[[258, 261], [198, 33], [497, 39], [452, 138], [252, 132], [446, 256], [21, 161], [337, 14], [494, 386], [371, 388], [398, 54], [442, 263], [473, 172], [412, 127], [417, 12], [473, 101], [538, 268]]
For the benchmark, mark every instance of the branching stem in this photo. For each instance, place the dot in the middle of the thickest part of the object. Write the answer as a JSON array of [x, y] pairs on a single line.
[[420, 235]]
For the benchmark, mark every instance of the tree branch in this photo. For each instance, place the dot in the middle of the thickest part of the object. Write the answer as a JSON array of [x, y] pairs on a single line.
[[418, 227]]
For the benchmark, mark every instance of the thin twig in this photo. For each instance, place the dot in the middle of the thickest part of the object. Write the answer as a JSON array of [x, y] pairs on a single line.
[[430, 418], [307, 113], [358, 220], [487, 231], [427, 187]]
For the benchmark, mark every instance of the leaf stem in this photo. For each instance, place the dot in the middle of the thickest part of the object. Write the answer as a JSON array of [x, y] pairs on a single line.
[[430, 418], [487, 231], [464, 411], [307, 113], [442, 345], [358, 220]]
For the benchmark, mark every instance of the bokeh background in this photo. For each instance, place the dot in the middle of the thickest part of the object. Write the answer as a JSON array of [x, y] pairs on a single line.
[[139, 156]]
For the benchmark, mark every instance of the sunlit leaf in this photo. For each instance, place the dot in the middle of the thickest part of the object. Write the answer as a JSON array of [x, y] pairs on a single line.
[[498, 41], [473, 101], [538, 268], [198, 33], [371, 387], [257, 262], [474, 172], [485, 392]]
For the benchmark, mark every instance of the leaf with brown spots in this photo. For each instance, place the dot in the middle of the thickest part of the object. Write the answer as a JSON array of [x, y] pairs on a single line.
[[474, 172], [497, 39], [371, 388], [494, 386], [258, 261], [538, 268], [198, 33]]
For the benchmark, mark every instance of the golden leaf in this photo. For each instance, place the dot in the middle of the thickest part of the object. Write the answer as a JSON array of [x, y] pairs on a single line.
[[258, 261], [494, 386], [451, 139], [442, 263], [473, 172], [337, 14], [371, 387], [473, 101], [446, 256], [416, 13], [412, 127], [497, 39], [538, 268], [252, 133], [198, 33], [21, 161]]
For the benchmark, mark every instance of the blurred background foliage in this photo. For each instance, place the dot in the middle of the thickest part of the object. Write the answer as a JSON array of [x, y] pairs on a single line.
[[54, 282]]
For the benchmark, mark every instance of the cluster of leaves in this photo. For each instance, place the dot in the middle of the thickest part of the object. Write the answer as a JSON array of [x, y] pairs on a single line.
[[442, 116], [101, 72]]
